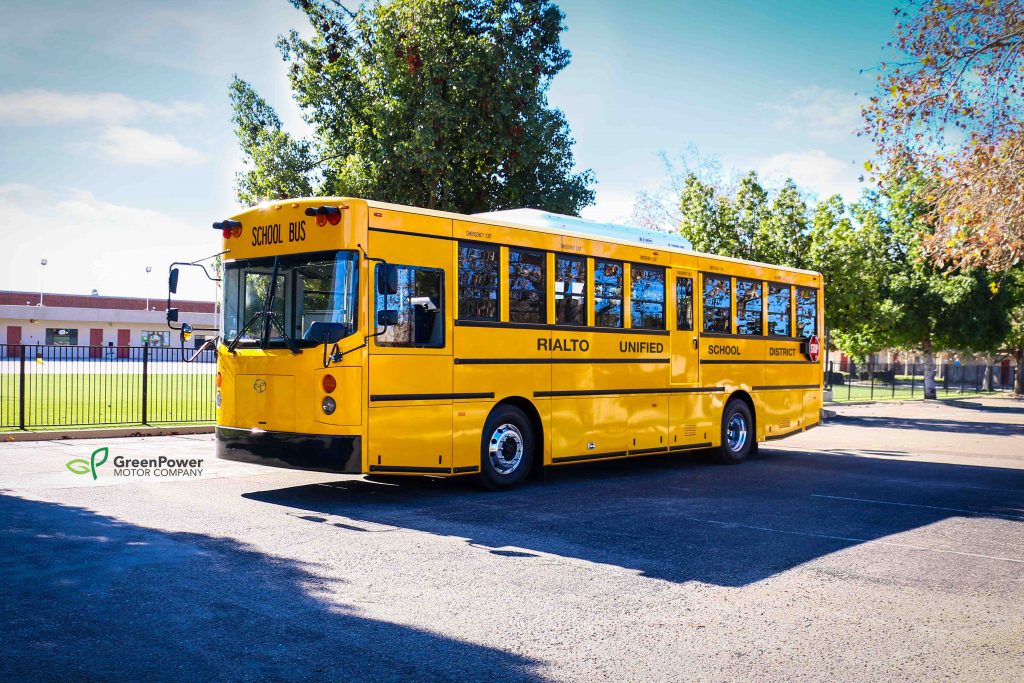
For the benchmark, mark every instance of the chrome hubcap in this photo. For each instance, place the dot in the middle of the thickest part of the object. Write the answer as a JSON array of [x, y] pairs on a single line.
[[505, 449], [736, 433]]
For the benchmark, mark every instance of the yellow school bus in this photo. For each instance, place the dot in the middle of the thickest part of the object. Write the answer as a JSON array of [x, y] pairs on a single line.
[[366, 337]]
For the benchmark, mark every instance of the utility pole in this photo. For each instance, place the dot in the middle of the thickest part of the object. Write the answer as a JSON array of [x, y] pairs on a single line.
[[42, 278]]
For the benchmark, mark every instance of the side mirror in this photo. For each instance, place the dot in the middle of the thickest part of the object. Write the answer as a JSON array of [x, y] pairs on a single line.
[[387, 279], [325, 332], [186, 332], [172, 281], [172, 315], [387, 318]]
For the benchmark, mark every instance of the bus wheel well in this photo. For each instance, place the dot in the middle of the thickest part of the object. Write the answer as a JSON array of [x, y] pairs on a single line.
[[531, 413], [741, 395]]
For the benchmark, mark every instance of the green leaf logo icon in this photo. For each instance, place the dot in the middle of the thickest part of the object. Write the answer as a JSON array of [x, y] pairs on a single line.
[[80, 466]]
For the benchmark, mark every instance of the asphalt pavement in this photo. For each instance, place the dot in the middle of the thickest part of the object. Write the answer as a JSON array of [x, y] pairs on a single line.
[[887, 544]]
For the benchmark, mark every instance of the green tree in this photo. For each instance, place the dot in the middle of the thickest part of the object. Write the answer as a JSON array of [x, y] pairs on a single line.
[[1014, 285], [848, 248], [925, 307], [434, 103], [782, 229]]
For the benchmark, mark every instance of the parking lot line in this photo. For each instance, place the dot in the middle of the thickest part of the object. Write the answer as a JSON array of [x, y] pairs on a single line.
[[918, 505], [863, 541]]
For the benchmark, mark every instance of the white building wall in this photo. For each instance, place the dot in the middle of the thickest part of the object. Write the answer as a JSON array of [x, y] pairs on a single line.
[[34, 321]]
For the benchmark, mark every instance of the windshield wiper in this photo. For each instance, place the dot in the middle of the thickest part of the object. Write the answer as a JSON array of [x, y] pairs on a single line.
[[269, 319], [238, 337], [292, 346]]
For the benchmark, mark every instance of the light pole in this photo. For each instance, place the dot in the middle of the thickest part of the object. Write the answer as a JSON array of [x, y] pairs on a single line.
[[149, 269], [42, 273]]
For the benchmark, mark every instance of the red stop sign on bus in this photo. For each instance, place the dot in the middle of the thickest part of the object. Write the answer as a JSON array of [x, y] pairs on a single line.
[[813, 348]]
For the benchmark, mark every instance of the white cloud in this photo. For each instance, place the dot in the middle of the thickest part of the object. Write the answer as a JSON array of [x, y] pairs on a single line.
[[134, 146], [610, 207], [819, 112], [48, 107], [814, 170], [94, 244]]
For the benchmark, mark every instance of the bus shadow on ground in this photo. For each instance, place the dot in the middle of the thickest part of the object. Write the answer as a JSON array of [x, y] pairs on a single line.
[[87, 597], [679, 519]]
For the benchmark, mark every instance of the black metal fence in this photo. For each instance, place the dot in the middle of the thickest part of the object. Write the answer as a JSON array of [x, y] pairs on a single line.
[[874, 381], [81, 386]]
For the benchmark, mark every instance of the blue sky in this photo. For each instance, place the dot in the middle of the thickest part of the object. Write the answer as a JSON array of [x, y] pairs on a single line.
[[118, 150]]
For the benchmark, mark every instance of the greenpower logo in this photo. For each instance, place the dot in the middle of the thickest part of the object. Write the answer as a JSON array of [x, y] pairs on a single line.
[[81, 466]]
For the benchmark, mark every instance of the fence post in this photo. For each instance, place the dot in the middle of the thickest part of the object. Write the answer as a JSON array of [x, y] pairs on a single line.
[[145, 383], [21, 389]]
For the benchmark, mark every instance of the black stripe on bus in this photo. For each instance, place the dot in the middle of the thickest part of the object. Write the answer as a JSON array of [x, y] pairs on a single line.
[[543, 361], [468, 468], [611, 392], [419, 470], [414, 234], [428, 397], [787, 386], [691, 446], [559, 328], [715, 361], [762, 337], [589, 456], [776, 437]]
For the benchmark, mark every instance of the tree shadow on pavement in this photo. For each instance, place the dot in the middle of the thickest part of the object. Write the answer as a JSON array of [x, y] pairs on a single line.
[[676, 518], [987, 408], [931, 425], [87, 597]]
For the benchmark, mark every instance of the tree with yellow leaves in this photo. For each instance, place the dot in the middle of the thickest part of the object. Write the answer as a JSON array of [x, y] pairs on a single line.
[[952, 107]]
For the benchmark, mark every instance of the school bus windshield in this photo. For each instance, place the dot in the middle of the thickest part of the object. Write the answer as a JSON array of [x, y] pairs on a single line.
[[320, 286]]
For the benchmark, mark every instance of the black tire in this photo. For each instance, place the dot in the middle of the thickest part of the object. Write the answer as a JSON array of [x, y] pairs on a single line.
[[734, 449], [510, 434]]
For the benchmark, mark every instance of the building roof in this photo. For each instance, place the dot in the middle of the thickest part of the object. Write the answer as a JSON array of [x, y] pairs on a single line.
[[122, 303]]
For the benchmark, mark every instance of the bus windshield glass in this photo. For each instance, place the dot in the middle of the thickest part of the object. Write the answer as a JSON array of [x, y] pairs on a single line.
[[320, 286]]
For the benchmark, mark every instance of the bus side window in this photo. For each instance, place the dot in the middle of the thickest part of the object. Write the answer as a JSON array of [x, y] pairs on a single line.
[[684, 304], [527, 286], [778, 310], [806, 312], [717, 303], [570, 290], [748, 307], [478, 282], [608, 293], [647, 297], [419, 304]]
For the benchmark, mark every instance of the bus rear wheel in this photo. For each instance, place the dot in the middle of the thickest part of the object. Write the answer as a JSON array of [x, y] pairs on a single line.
[[506, 449], [737, 433]]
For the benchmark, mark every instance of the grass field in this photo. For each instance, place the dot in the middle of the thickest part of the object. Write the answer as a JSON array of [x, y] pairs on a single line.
[[92, 399]]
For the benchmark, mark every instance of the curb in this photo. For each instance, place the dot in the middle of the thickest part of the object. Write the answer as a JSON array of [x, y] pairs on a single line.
[[117, 432]]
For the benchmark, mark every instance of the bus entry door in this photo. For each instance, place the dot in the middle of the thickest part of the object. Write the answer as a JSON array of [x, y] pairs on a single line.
[[410, 367]]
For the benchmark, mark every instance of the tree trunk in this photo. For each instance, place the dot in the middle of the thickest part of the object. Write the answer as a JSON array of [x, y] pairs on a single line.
[[929, 368], [1018, 383], [987, 380]]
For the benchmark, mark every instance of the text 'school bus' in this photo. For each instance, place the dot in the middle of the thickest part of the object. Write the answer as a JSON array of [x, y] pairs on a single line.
[[364, 337]]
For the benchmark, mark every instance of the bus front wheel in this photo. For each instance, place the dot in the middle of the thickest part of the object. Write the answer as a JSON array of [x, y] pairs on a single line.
[[506, 449], [737, 433]]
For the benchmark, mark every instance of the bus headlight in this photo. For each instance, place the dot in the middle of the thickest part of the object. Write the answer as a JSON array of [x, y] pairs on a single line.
[[218, 398], [328, 405]]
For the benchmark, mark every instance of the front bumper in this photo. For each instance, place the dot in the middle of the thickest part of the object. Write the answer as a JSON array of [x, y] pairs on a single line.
[[318, 452]]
